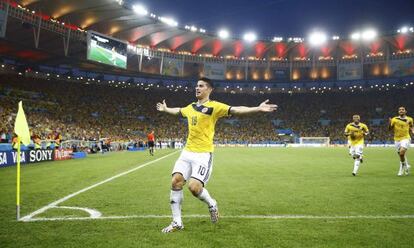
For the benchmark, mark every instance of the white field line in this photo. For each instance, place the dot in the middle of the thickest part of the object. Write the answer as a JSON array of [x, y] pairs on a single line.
[[257, 217], [55, 203], [93, 213]]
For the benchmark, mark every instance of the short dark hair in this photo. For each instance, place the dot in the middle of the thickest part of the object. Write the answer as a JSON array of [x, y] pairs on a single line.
[[207, 80]]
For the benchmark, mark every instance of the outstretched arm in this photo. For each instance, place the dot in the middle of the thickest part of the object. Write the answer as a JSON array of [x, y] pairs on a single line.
[[162, 107], [347, 132], [390, 125], [366, 131], [263, 107]]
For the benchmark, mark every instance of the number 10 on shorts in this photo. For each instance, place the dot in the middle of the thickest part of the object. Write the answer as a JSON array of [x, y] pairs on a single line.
[[202, 170]]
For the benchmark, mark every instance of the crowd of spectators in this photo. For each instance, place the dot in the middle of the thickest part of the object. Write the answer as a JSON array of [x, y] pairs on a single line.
[[78, 111]]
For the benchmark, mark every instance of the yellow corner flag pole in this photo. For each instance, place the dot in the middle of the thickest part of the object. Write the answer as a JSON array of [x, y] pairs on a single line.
[[18, 180], [23, 136]]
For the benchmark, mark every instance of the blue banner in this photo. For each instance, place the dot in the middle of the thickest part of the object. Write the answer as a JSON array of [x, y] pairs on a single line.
[[33, 156], [350, 71]]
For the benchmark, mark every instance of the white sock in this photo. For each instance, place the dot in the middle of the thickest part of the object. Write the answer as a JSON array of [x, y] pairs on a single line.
[[402, 165], [406, 161], [357, 162], [176, 197], [205, 197]]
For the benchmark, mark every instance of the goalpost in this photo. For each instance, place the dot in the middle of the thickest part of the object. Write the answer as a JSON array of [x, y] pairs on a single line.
[[314, 141]]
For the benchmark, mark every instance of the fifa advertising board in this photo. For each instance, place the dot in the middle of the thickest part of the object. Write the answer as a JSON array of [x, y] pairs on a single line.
[[63, 154], [9, 158]]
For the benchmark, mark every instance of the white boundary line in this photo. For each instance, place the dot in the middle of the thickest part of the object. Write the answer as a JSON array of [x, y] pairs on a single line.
[[93, 213], [257, 217], [55, 203]]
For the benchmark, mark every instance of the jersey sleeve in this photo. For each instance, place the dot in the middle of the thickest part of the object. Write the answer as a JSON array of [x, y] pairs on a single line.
[[392, 122], [347, 129], [221, 110], [366, 130], [184, 111], [410, 122]]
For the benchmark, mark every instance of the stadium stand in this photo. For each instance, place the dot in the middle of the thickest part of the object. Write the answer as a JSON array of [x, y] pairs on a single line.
[[89, 112]]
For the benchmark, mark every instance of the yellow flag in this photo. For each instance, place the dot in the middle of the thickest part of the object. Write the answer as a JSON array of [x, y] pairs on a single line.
[[20, 126]]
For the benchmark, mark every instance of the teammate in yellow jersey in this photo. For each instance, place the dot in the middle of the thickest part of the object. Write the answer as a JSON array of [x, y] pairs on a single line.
[[195, 163], [401, 126], [356, 131]]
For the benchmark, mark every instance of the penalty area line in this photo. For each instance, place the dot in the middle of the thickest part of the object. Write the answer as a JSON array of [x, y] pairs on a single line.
[[257, 217], [55, 203]]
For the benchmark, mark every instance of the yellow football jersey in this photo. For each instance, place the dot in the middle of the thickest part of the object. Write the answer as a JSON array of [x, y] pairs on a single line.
[[357, 132], [401, 127], [201, 124]]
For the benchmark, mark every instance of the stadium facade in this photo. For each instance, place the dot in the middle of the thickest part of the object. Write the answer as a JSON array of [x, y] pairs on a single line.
[[53, 38]]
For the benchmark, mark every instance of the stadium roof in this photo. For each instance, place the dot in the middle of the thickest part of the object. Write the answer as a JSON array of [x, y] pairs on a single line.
[[111, 18]]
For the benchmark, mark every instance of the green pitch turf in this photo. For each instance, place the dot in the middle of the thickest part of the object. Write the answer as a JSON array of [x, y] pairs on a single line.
[[103, 56], [249, 184]]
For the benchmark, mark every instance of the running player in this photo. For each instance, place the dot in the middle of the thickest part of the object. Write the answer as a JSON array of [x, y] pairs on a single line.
[[401, 126], [355, 131]]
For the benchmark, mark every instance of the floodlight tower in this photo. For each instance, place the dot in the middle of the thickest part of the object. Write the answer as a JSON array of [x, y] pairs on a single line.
[[316, 40], [364, 36]]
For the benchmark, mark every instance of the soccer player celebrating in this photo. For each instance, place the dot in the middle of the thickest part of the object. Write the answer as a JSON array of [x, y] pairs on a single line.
[[355, 131], [151, 142], [401, 126], [195, 162]]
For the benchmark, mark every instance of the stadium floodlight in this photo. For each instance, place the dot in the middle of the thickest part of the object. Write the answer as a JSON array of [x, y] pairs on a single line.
[[295, 39], [140, 10], [335, 37], [317, 38], [369, 34], [193, 29], [168, 21], [223, 34], [277, 39], [249, 37], [356, 36], [404, 30]]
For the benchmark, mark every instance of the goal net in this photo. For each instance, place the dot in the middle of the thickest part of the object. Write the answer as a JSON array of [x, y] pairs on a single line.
[[314, 141]]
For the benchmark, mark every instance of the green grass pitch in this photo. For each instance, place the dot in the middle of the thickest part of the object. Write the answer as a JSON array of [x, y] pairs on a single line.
[[249, 184], [103, 56]]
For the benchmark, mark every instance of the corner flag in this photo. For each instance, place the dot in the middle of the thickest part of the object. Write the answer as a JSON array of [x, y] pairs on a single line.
[[20, 126], [23, 134]]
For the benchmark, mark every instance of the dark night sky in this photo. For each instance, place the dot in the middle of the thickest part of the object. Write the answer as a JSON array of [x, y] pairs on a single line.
[[287, 18]]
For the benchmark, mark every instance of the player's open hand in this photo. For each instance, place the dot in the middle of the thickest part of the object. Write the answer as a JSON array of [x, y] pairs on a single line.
[[162, 106], [266, 107]]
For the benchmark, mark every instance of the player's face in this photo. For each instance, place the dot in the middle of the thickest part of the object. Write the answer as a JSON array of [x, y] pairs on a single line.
[[402, 111], [202, 90], [356, 118]]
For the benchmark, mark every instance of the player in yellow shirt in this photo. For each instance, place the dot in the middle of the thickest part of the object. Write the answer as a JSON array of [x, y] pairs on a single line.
[[356, 131], [401, 126], [195, 162]]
